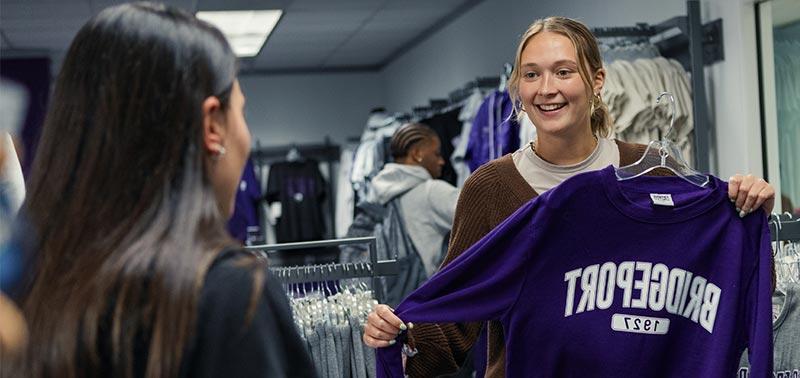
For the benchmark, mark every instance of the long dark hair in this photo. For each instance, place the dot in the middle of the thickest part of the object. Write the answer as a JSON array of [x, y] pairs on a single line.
[[126, 217]]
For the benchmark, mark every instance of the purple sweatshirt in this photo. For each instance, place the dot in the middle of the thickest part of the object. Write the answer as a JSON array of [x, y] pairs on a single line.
[[494, 132], [598, 277], [245, 213]]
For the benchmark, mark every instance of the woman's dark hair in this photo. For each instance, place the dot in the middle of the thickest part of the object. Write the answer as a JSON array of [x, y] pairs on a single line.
[[407, 136], [126, 218]]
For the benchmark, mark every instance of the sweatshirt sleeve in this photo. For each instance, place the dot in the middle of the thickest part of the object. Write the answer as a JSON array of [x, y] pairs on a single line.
[[491, 273], [759, 309], [235, 339], [443, 347], [442, 198]]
